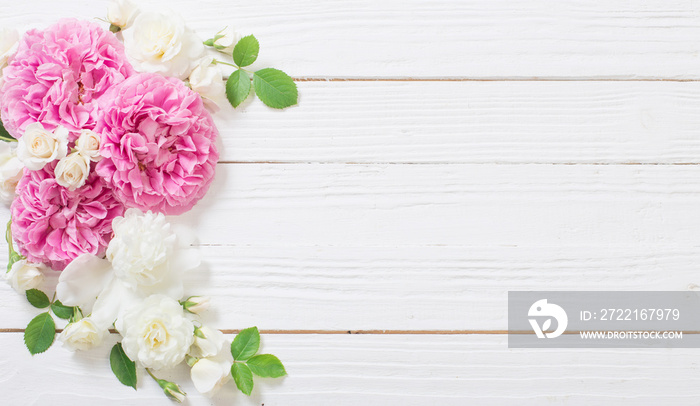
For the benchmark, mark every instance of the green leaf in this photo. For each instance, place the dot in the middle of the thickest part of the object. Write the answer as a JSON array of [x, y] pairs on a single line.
[[38, 298], [4, 135], [246, 51], [237, 87], [40, 333], [64, 312], [243, 377], [275, 88], [246, 344], [267, 366], [124, 368]]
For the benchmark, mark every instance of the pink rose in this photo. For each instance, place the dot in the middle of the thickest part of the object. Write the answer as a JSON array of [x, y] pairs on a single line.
[[157, 144], [54, 225], [58, 74]]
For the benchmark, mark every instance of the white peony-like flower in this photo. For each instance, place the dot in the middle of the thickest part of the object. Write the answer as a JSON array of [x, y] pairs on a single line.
[[88, 145], [39, 146], [144, 251], [227, 40], [156, 332], [147, 258], [72, 171], [24, 275], [11, 170], [208, 343], [82, 335], [121, 13], [210, 374], [161, 43], [9, 40], [207, 80]]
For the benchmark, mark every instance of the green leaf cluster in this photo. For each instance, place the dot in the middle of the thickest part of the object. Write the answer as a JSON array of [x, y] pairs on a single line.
[[41, 331], [272, 86], [246, 363]]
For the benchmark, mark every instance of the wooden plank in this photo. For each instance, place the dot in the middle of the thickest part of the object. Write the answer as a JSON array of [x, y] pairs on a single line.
[[416, 38], [379, 370], [503, 205], [471, 122], [417, 288]]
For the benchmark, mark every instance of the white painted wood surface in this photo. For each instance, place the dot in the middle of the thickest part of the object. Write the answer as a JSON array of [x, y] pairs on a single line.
[[415, 205]]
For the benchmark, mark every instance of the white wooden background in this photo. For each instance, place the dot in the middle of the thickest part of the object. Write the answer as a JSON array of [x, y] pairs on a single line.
[[443, 153]]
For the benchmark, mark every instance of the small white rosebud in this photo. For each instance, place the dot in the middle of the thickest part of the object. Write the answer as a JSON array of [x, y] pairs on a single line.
[[207, 342], [82, 335], [11, 170], [121, 13], [172, 390], [72, 171], [196, 304], [225, 40], [207, 80], [9, 39], [24, 275], [39, 146], [88, 145]]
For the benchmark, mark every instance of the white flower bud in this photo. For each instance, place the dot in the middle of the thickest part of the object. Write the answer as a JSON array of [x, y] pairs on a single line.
[[11, 170], [88, 145], [82, 335], [225, 40], [39, 146], [121, 13], [207, 342], [207, 80], [24, 275], [72, 171], [197, 304]]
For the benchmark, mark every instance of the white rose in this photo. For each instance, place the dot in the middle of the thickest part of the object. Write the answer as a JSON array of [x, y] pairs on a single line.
[[9, 39], [82, 335], [228, 38], [162, 44], [10, 171], [207, 80], [39, 146], [207, 343], [210, 374], [147, 256], [72, 171], [121, 13], [24, 275], [88, 144], [156, 332]]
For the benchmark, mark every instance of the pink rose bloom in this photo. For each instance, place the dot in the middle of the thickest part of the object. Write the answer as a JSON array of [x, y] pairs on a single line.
[[58, 74], [157, 144], [53, 225]]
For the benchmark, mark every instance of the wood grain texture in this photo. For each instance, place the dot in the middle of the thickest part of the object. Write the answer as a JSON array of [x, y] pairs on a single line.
[[472, 122], [415, 288], [418, 38], [379, 370], [501, 205]]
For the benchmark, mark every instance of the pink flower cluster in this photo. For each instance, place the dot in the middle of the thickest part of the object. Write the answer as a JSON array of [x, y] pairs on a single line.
[[157, 140], [157, 144], [57, 76], [54, 225]]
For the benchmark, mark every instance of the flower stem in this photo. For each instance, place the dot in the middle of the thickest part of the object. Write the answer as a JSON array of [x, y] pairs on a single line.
[[152, 376], [225, 63]]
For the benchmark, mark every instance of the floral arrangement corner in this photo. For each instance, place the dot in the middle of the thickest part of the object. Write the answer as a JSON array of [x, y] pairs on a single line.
[[107, 130]]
